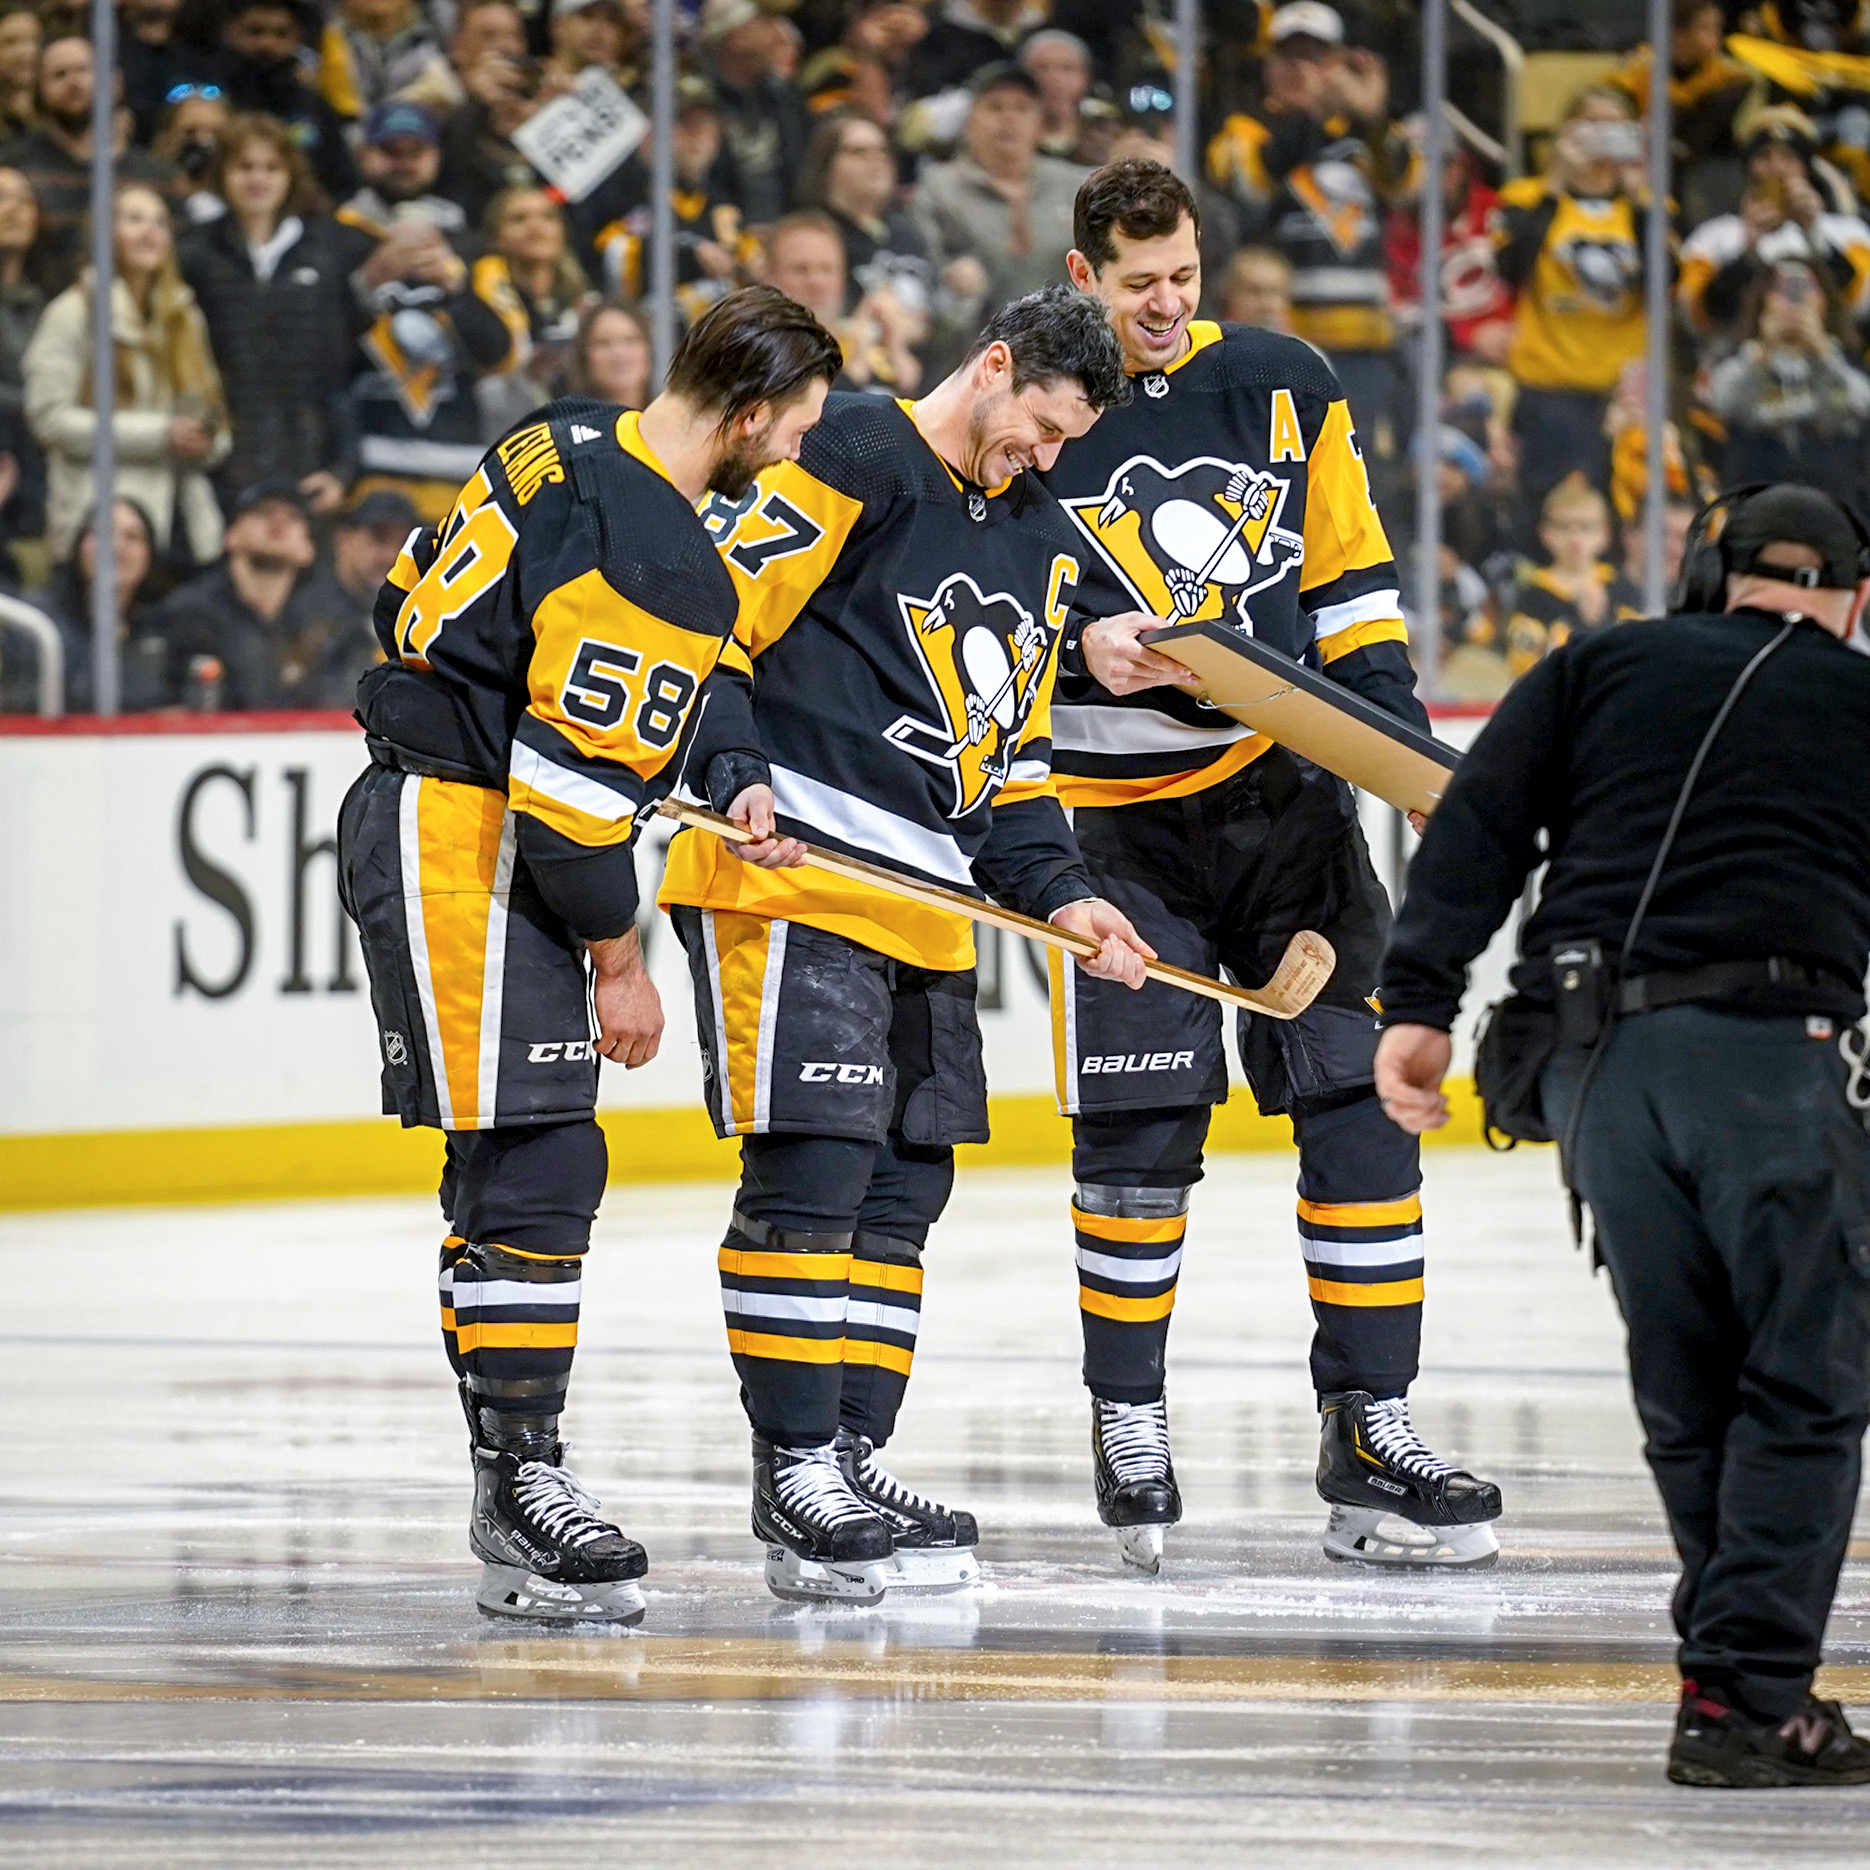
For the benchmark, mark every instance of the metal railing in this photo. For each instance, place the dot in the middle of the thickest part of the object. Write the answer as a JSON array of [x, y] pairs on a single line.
[[1513, 64], [17, 614]]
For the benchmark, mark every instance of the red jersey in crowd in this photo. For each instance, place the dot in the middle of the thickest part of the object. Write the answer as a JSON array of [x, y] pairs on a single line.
[[1473, 294]]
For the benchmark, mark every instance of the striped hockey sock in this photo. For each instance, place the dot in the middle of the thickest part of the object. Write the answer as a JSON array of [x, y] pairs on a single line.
[[1363, 1263], [1129, 1257], [784, 1294], [510, 1320], [880, 1331]]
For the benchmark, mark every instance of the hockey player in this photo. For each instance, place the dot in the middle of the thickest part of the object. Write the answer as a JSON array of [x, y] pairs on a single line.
[[902, 589], [545, 649], [1231, 487]]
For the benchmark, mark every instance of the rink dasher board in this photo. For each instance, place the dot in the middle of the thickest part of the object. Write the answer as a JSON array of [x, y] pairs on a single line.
[[1312, 716]]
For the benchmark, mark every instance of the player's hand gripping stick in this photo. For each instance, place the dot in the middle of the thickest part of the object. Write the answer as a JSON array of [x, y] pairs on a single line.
[[1296, 982]]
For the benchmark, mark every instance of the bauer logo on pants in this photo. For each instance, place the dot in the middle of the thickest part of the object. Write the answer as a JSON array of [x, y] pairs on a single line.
[[1137, 1061], [984, 657], [1194, 543]]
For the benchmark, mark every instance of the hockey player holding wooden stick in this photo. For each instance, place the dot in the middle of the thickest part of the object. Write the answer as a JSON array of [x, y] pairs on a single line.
[[1230, 487], [902, 589]]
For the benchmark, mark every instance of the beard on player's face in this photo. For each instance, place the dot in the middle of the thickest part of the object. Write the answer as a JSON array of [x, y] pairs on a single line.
[[739, 467]]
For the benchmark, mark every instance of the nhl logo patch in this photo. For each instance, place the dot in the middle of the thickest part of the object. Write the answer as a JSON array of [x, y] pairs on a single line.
[[1155, 385], [395, 1048], [977, 506]]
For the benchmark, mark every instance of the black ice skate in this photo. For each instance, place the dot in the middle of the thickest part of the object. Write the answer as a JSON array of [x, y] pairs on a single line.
[[1717, 1744], [1137, 1497], [934, 1543], [823, 1543], [549, 1558], [1393, 1501]]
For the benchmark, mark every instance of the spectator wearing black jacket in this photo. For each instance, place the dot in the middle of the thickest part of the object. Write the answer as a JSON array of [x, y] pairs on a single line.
[[263, 40], [271, 280], [1703, 785], [149, 675], [154, 59], [762, 116], [283, 629]]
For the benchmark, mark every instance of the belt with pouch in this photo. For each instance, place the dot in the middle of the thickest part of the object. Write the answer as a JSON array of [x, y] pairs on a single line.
[[1719, 980]]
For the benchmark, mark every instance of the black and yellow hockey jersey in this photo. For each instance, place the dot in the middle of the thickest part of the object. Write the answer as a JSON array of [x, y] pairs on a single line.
[[1230, 487], [902, 628], [549, 640]]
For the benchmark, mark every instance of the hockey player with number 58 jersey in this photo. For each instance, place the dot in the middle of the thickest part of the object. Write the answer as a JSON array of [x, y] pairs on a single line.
[[546, 648], [1231, 488]]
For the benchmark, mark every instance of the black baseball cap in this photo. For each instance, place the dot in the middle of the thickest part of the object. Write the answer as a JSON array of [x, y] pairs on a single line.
[[382, 506], [1792, 515], [1002, 72], [273, 487]]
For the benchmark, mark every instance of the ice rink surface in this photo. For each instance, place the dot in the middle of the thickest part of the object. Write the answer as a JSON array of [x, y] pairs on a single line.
[[237, 1626]]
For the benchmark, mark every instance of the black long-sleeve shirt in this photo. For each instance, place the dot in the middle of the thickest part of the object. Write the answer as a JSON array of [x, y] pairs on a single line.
[[1591, 747]]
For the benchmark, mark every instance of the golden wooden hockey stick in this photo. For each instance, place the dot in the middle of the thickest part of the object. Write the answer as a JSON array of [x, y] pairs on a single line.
[[1302, 971]]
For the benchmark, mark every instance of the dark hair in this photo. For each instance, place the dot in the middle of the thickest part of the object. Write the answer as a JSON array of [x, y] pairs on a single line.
[[754, 346], [1060, 332], [822, 150], [1137, 198]]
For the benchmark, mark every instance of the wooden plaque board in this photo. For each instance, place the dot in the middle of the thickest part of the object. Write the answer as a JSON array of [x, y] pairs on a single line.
[[1311, 715]]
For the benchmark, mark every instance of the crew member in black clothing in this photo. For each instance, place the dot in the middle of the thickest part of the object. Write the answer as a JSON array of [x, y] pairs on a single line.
[[1703, 783]]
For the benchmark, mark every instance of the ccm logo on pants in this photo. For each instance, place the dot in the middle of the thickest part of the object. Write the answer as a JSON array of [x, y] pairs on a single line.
[[1138, 1061], [840, 1074], [550, 1051]]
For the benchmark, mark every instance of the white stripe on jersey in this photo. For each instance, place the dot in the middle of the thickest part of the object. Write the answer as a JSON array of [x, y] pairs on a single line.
[[1028, 773], [578, 790], [1369, 608], [852, 820], [1104, 729]]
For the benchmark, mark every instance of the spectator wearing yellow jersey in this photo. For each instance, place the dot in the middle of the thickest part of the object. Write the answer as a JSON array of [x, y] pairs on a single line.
[[1571, 244], [1580, 590]]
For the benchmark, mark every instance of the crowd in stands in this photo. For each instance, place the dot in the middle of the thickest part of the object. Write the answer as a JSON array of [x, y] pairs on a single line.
[[338, 275]]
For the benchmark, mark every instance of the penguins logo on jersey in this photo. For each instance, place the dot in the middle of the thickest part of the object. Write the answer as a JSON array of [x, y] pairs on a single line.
[[1606, 268], [1193, 542], [983, 656]]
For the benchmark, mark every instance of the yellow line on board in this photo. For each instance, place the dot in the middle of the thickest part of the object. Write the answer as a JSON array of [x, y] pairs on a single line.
[[755, 1669], [376, 1156]]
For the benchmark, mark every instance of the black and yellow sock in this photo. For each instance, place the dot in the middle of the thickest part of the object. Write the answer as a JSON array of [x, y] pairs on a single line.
[[785, 1293], [1129, 1258], [880, 1331], [513, 1320]]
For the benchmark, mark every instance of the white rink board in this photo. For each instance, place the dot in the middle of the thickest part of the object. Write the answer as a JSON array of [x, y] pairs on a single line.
[[172, 954]]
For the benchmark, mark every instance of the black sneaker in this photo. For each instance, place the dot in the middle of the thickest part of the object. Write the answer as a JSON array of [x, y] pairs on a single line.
[[1718, 1744]]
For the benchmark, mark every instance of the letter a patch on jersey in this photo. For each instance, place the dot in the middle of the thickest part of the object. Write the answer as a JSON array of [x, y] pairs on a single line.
[[984, 657], [1197, 543]]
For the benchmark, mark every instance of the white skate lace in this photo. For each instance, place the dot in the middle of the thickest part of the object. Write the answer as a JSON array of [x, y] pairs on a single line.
[[878, 1480], [812, 1486], [1135, 1439], [1393, 1436], [559, 1506]]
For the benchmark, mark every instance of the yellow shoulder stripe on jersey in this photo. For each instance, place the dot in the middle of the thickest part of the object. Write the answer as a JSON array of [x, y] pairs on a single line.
[[1342, 531], [616, 681], [492, 281], [630, 440], [1201, 333], [1361, 636], [782, 548]]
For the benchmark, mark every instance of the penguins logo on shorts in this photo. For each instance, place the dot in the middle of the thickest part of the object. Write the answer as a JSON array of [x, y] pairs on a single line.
[[984, 656], [1197, 542]]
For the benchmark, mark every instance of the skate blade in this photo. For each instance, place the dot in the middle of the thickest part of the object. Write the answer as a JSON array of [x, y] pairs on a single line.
[[525, 1597], [1369, 1536], [1141, 1547], [806, 1581], [932, 1568]]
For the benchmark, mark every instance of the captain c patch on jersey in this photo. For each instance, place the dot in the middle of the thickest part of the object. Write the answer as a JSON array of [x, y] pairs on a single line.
[[984, 657], [1195, 542]]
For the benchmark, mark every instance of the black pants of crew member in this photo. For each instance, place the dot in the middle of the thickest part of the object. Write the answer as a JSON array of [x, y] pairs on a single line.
[[484, 1029], [1224, 879], [849, 1077], [1730, 1186]]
